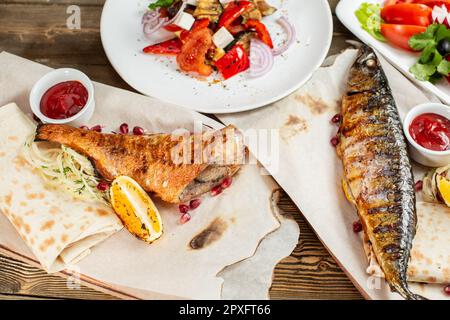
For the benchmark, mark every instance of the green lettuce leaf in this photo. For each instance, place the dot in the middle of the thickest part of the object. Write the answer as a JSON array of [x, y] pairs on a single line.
[[369, 16]]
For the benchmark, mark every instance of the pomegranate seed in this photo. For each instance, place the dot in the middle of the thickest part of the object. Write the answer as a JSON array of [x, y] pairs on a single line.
[[185, 218], [183, 208], [84, 127], [124, 128], [226, 183], [447, 290], [138, 131], [97, 128], [194, 204], [216, 191], [335, 141], [418, 186], [357, 227], [103, 186], [336, 119]]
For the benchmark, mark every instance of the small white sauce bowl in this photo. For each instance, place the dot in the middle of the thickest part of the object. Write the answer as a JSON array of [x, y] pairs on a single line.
[[420, 154], [53, 78]]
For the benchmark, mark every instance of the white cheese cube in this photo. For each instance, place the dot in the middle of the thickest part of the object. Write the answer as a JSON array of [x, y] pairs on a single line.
[[224, 2], [185, 21], [222, 38], [192, 2]]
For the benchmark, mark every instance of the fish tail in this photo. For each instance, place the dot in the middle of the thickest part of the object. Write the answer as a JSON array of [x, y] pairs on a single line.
[[404, 291]]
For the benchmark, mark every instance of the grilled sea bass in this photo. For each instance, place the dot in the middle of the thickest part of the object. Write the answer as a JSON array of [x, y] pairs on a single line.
[[377, 172], [161, 163]]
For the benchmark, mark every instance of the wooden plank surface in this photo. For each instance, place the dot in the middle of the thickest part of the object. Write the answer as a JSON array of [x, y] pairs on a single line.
[[36, 30]]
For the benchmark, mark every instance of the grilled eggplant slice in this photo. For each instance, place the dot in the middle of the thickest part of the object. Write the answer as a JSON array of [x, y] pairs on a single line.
[[209, 9], [261, 9]]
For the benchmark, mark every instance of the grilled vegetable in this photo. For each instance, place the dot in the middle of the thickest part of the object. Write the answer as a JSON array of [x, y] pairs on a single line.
[[233, 62], [243, 39], [196, 45], [377, 169], [170, 47], [233, 11], [261, 31], [210, 9], [260, 9], [265, 8]]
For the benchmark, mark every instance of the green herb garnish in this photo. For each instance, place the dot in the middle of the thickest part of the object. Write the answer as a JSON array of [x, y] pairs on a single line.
[[432, 66], [369, 15], [161, 4]]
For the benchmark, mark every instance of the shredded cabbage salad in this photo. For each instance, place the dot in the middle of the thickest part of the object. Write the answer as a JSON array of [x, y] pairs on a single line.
[[65, 168]]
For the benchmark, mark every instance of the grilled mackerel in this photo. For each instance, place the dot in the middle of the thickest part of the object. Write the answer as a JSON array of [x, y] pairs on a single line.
[[377, 172]]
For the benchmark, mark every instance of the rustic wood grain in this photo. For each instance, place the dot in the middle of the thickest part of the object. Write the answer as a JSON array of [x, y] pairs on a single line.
[[36, 30]]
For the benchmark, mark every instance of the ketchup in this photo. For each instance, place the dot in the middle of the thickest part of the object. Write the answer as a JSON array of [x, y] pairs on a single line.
[[431, 131], [64, 100]]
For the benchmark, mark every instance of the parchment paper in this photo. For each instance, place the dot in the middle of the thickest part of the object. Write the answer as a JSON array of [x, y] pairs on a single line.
[[168, 267], [310, 172]]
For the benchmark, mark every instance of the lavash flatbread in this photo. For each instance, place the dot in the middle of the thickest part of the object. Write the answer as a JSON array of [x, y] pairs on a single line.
[[59, 229], [430, 254]]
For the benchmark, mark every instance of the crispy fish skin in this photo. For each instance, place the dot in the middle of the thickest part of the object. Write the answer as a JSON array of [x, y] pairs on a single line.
[[147, 159], [377, 169]]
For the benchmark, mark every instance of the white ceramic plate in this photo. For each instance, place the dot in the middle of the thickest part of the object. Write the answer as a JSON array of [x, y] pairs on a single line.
[[401, 59], [158, 77]]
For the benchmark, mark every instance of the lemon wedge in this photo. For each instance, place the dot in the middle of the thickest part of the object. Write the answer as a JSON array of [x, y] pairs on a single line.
[[347, 192], [136, 209], [444, 189]]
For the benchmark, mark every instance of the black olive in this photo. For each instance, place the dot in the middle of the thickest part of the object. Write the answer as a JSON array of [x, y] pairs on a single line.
[[443, 47]]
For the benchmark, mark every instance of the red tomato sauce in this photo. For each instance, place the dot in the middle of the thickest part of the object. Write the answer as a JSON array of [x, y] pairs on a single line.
[[431, 131], [64, 100]]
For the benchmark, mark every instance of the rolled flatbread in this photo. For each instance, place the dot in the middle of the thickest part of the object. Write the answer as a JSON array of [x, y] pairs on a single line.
[[430, 254], [57, 228]]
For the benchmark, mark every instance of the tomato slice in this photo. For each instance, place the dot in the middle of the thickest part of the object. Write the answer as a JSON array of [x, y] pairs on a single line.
[[233, 62], [407, 13], [194, 50], [170, 47], [399, 34]]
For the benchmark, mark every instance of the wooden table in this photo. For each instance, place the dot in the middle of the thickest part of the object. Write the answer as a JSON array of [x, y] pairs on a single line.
[[36, 29]]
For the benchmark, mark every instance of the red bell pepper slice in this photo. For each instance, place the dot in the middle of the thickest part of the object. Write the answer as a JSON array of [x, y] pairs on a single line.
[[261, 31], [232, 12], [173, 28], [170, 47], [233, 62]]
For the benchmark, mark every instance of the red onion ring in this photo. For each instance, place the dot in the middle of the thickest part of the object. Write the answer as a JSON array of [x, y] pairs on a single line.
[[152, 20], [261, 59], [291, 36], [151, 27], [150, 16]]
